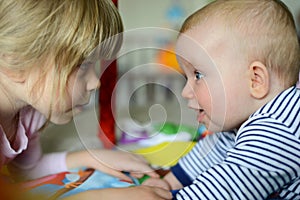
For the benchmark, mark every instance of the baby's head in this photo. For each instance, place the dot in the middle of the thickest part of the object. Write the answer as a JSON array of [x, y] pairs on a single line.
[[246, 51], [263, 30], [57, 33]]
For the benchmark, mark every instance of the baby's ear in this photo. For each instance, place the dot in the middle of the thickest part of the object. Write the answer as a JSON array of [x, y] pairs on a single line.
[[259, 80]]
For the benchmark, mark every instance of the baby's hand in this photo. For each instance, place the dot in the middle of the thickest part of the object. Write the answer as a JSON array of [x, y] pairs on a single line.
[[157, 182]]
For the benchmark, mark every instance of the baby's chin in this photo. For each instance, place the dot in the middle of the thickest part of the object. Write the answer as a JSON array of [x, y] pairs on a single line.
[[213, 127]]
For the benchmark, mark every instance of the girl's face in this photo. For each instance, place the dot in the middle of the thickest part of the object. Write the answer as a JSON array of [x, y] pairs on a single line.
[[216, 86], [82, 81]]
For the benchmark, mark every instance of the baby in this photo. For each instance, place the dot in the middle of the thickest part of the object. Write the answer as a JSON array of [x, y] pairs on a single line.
[[241, 60]]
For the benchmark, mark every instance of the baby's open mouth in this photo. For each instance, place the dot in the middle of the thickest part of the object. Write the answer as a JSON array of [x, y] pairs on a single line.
[[201, 115]]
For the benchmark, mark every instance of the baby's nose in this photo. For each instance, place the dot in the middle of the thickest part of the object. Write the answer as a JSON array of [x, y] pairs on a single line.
[[187, 92]]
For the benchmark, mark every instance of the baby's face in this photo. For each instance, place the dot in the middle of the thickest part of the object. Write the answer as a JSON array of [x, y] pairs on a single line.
[[216, 74]]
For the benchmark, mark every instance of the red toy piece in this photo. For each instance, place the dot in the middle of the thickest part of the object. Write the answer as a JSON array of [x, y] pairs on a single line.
[[107, 104]]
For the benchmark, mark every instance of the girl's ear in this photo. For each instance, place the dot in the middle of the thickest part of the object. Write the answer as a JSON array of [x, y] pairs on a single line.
[[259, 80], [18, 76]]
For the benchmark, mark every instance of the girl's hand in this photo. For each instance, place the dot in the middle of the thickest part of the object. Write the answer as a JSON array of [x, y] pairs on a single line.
[[112, 162], [131, 193]]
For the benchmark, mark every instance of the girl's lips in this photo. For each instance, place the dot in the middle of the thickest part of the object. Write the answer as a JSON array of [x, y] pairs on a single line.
[[77, 108], [81, 106]]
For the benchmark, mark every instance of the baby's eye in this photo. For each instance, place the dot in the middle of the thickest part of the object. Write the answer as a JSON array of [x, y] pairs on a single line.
[[198, 75]]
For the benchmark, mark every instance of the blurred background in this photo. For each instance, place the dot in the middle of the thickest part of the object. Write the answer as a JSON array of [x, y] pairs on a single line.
[[149, 85]]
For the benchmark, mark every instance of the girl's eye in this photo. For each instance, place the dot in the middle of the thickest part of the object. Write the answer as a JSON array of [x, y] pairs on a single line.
[[198, 75], [84, 66]]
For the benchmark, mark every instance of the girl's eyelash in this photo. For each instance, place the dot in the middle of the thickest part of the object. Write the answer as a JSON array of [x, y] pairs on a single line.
[[84, 66], [198, 75]]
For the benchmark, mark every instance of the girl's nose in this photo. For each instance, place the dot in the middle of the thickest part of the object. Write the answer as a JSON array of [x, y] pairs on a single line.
[[93, 83]]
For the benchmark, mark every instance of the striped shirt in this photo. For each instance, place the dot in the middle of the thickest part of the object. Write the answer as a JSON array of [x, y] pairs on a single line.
[[260, 159]]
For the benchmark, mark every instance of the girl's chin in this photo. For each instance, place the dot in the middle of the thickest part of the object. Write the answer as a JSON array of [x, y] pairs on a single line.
[[61, 119], [78, 109]]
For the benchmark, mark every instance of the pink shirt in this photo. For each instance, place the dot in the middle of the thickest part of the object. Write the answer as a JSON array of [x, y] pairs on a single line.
[[25, 154]]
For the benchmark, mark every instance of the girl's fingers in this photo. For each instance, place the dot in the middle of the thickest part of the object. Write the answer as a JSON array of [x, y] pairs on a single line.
[[141, 158], [147, 170], [118, 174], [136, 174], [152, 174]]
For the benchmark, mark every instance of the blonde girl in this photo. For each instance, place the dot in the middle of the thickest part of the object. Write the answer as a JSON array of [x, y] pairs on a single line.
[[46, 75]]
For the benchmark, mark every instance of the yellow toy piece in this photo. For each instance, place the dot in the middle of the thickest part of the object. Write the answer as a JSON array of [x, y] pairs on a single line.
[[166, 154]]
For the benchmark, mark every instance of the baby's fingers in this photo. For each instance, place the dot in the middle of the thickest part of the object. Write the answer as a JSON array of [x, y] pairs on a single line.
[[155, 182], [164, 194]]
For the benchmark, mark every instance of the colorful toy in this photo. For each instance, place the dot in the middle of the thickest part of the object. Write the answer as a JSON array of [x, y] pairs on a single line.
[[64, 184], [202, 132]]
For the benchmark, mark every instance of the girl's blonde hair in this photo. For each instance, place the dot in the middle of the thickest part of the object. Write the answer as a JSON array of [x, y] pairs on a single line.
[[67, 31], [263, 29]]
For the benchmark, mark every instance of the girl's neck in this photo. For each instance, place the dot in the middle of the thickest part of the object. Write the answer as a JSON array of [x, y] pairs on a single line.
[[9, 109], [9, 119], [10, 127]]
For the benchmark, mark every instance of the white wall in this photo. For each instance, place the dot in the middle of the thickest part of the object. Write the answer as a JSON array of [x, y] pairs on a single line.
[[294, 6], [143, 13]]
